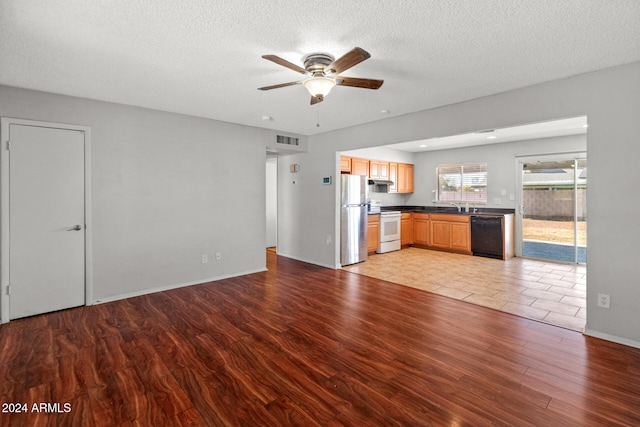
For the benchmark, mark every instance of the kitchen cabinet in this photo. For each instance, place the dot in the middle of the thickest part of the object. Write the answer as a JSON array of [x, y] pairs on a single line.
[[409, 178], [401, 174], [461, 236], [393, 177], [359, 166], [406, 229], [345, 164], [421, 229], [440, 234], [404, 182], [451, 232], [378, 169], [373, 232]]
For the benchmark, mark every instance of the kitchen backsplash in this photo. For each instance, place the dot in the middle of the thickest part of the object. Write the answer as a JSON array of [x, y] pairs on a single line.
[[389, 199]]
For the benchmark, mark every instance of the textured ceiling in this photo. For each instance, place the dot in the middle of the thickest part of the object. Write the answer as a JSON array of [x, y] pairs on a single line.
[[203, 57]]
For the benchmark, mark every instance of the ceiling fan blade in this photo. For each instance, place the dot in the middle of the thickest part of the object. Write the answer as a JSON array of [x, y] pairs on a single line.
[[348, 60], [279, 86], [285, 63], [358, 82], [316, 99]]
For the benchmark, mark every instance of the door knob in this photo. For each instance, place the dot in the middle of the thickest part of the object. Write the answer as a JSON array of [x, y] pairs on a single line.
[[76, 228]]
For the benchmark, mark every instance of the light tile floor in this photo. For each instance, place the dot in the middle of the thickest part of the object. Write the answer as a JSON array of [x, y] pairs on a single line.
[[545, 291]]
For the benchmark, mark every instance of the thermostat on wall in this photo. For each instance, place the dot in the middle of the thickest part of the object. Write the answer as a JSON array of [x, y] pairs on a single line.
[[326, 180]]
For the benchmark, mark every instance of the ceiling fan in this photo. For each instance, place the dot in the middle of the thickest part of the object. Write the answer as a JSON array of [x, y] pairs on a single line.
[[322, 70]]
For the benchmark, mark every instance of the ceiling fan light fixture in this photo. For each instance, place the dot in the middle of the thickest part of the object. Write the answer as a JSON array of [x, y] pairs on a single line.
[[319, 86]]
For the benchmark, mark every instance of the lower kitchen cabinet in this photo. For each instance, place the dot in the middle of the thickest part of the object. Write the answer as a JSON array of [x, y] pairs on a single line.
[[440, 235], [421, 229], [406, 229], [450, 232], [373, 232], [440, 231], [461, 236]]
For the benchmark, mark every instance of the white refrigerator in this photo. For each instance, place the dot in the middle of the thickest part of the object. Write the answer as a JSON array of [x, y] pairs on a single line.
[[353, 219]]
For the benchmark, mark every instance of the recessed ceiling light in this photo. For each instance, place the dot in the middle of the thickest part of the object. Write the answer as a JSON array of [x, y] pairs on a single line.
[[492, 137], [267, 118], [585, 125], [384, 111], [423, 145]]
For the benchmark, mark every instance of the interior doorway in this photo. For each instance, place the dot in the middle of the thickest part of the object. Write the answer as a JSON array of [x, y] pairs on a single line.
[[45, 215], [271, 200], [553, 212]]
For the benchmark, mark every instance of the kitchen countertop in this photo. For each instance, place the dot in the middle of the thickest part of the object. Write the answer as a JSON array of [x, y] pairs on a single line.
[[448, 210]]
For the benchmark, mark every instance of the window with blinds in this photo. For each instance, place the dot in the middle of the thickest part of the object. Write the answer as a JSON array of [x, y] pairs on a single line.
[[466, 183]]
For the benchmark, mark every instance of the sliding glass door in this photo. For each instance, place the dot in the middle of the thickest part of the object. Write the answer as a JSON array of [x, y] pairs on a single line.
[[553, 214]]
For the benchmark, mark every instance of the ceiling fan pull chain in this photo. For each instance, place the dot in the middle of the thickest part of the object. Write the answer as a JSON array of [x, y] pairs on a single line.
[[318, 116]]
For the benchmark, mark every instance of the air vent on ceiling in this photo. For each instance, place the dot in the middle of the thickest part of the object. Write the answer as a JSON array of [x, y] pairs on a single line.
[[287, 140]]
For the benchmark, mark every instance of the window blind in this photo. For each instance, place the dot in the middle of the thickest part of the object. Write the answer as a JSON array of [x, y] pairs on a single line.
[[466, 183]]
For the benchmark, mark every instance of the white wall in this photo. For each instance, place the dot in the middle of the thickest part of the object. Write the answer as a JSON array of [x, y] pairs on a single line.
[[500, 159], [272, 202], [611, 101], [166, 189]]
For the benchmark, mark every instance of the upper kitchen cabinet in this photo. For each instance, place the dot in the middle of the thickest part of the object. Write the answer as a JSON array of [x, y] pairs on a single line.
[[393, 177], [378, 169], [401, 174], [345, 164], [404, 179], [359, 166]]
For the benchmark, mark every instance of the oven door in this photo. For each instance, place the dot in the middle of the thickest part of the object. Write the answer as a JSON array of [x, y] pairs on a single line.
[[389, 227]]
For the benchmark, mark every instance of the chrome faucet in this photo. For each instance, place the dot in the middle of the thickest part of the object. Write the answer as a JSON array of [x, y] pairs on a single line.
[[457, 206]]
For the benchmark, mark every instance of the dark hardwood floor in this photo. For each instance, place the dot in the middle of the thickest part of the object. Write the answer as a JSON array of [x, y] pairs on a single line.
[[308, 346]]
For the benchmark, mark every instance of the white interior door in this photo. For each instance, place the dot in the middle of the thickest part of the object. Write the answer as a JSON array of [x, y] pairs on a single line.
[[46, 219]]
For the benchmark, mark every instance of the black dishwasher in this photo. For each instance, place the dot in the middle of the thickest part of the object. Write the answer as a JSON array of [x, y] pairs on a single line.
[[486, 236]]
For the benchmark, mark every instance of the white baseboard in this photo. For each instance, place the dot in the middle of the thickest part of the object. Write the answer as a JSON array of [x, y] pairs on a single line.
[[612, 338], [175, 286], [333, 267]]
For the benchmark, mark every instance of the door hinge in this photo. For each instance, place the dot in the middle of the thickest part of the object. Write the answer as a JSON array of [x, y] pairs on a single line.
[[8, 289], [8, 144]]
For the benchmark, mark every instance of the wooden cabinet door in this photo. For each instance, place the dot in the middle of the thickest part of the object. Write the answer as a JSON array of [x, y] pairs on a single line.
[[421, 229], [409, 179], [383, 170], [345, 164], [440, 237], [406, 229], [359, 166], [374, 169], [405, 178], [373, 232], [402, 172], [393, 177], [461, 236], [378, 169]]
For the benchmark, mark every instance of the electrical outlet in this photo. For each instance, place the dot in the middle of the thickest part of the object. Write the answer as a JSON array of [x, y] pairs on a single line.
[[497, 201], [205, 259], [604, 300], [218, 256]]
